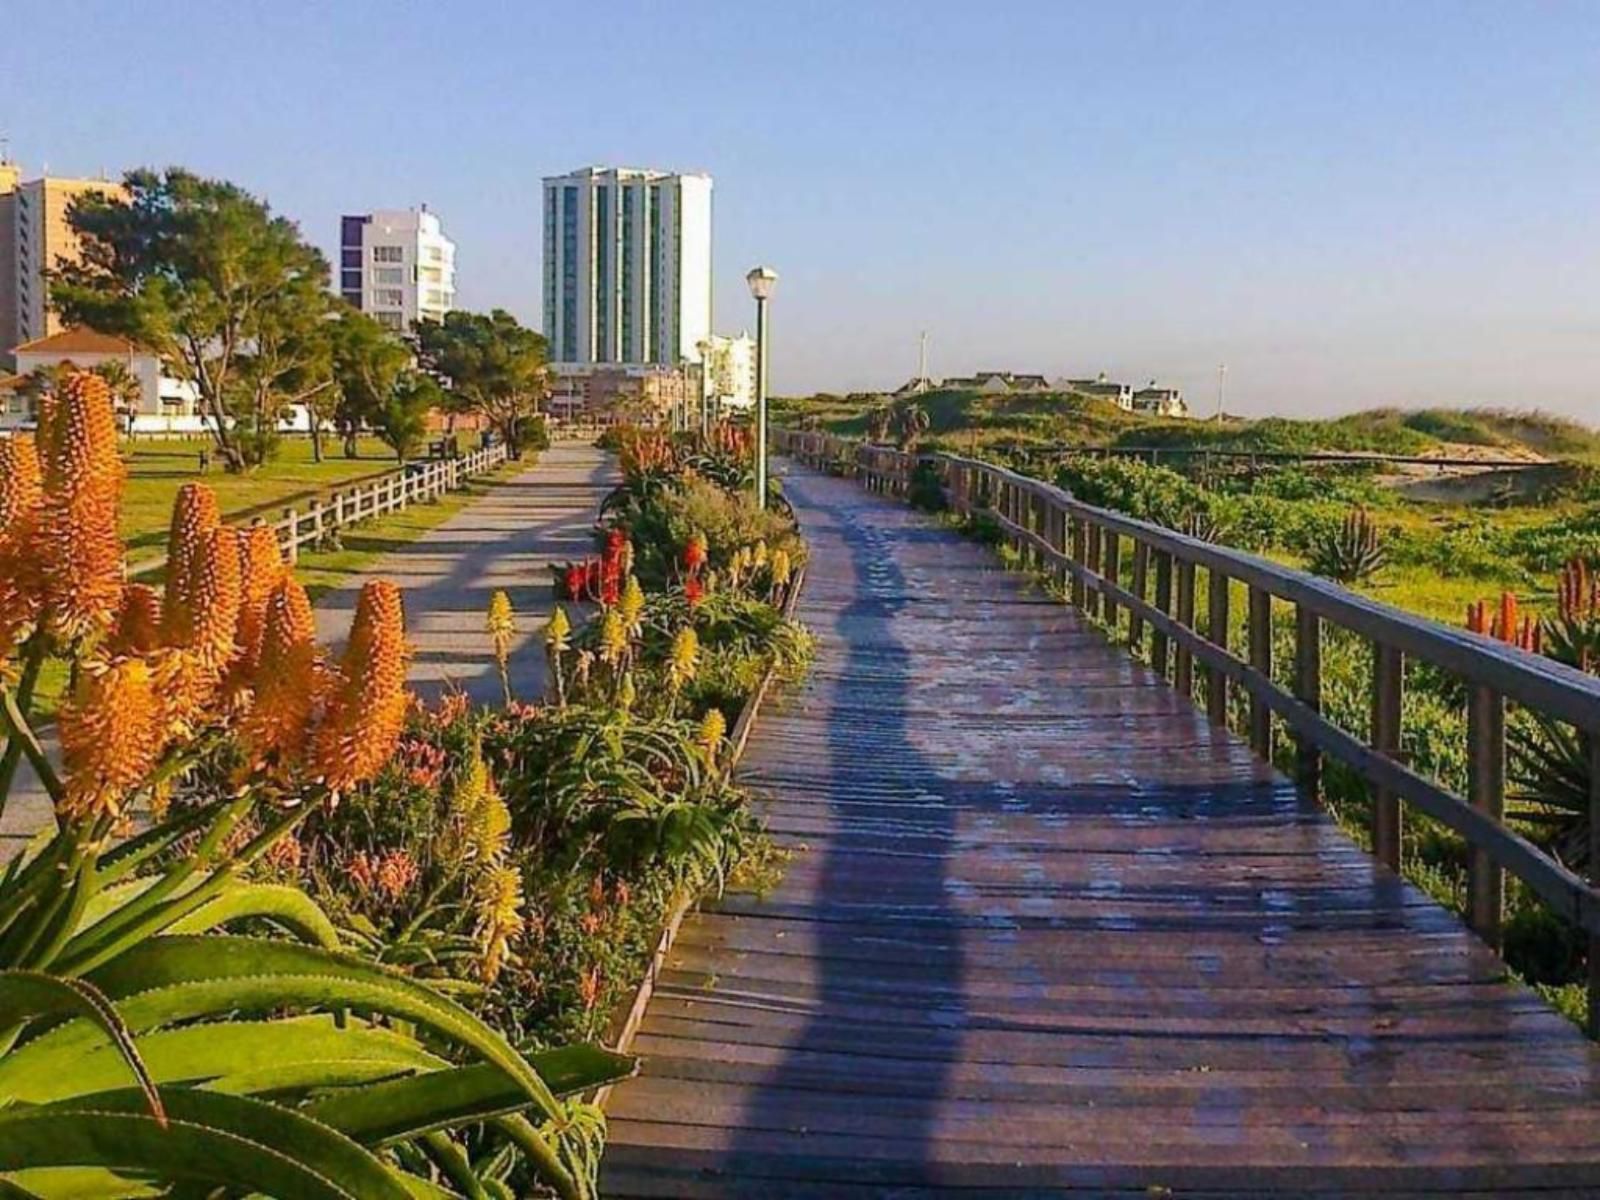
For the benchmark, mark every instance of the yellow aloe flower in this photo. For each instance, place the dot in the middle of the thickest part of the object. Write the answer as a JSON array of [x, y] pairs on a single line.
[[758, 556], [685, 656], [82, 478], [627, 694], [713, 728], [613, 637], [631, 606], [780, 568], [112, 734], [367, 701], [500, 919], [558, 631], [501, 624], [485, 819]]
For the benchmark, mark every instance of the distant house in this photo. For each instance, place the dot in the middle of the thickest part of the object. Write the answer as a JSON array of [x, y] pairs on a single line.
[[165, 405], [1160, 401], [998, 383], [915, 386], [1120, 394]]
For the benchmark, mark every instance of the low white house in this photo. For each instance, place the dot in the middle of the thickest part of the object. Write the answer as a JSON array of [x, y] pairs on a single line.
[[165, 405]]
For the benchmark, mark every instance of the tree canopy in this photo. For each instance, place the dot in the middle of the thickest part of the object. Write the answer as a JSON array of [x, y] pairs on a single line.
[[491, 365], [231, 297]]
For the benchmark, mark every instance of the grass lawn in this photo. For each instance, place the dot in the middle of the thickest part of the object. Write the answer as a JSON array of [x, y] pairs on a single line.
[[157, 469]]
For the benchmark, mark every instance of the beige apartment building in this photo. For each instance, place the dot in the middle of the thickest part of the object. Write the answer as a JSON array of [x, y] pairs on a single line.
[[34, 237]]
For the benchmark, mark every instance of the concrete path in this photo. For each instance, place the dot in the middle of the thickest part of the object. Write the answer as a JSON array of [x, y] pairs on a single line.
[[508, 540]]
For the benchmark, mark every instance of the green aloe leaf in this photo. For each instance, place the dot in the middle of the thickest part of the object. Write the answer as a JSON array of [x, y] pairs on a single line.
[[287, 906], [241, 1057], [74, 1183], [403, 1108], [25, 995], [172, 978], [211, 1138]]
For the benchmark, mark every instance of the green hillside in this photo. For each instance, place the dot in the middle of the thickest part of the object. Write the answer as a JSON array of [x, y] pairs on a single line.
[[963, 419]]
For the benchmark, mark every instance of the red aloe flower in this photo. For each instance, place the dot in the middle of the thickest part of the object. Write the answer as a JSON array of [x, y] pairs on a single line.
[[693, 591]]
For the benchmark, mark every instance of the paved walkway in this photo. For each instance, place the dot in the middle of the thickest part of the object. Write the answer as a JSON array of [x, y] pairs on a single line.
[[1047, 930], [506, 540]]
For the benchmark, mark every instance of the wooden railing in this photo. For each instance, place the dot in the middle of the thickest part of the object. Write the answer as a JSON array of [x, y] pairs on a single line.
[[392, 492], [1106, 561]]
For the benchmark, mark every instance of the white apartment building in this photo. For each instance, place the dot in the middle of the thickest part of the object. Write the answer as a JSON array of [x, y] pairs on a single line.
[[397, 266], [728, 369], [627, 266]]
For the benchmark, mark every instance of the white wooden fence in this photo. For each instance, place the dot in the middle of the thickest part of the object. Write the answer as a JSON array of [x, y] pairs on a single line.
[[388, 493]]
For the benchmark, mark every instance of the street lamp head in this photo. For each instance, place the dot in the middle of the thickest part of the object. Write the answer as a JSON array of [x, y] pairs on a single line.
[[762, 280]]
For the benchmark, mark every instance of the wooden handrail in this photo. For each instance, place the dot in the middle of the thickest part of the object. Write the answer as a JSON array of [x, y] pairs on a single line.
[[1085, 544]]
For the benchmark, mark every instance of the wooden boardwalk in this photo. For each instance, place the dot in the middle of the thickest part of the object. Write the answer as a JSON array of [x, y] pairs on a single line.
[[1046, 930]]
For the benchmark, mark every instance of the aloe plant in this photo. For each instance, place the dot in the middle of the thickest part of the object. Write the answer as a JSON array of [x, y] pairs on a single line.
[[1351, 552]]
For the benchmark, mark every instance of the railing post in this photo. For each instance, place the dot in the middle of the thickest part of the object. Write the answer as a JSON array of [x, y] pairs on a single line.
[[1308, 690], [1486, 790], [291, 521], [1111, 563], [1183, 657], [1058, 540], [1217, 635], [1388, 694], [318, 529], [1158, 639], [1093, 598], [1260, 630], [1080, 555], [1593, 740], [1141, 580]]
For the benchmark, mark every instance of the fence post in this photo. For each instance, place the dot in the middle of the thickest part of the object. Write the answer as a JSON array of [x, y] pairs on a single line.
[[1096, 543], [1388, 694], [292, 524], [1080, 555], [1217, 635], [1158, 639], [1308, 689], [1111, 561], [1141, 579], [1260, 630], [338, 510], [318, 529], [1182, 656], [1486, 790]]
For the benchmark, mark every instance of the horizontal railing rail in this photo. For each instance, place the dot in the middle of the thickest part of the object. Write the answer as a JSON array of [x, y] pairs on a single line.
[[420, 481], [1156, 585], [1375, 458]]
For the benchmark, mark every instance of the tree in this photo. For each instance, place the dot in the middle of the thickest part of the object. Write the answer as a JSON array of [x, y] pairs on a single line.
[[491, 365], [367, 362], [200, 272], [402, 419]]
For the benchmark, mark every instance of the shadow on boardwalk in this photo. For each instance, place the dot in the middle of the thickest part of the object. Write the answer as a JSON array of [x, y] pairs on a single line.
[[507, 540]]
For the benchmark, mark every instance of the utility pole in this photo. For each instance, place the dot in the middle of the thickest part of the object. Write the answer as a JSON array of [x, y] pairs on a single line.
[[922, 363], [1222, 373]]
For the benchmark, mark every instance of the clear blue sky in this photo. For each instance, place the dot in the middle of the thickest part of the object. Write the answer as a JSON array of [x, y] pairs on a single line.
[[1348, 203]]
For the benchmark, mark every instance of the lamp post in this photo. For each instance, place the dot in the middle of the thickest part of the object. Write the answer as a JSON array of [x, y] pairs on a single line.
[[762, 281]]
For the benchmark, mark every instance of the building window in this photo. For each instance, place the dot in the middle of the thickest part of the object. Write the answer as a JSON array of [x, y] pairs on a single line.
[[569, 274], [630, 205], [389, 297], [604, 270], [390, 320], [388, 254]]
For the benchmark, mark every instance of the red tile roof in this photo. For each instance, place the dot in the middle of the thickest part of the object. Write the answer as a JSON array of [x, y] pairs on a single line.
[[78, 340]]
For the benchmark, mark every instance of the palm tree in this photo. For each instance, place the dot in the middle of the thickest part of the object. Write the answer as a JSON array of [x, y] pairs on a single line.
[[126, 391]]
